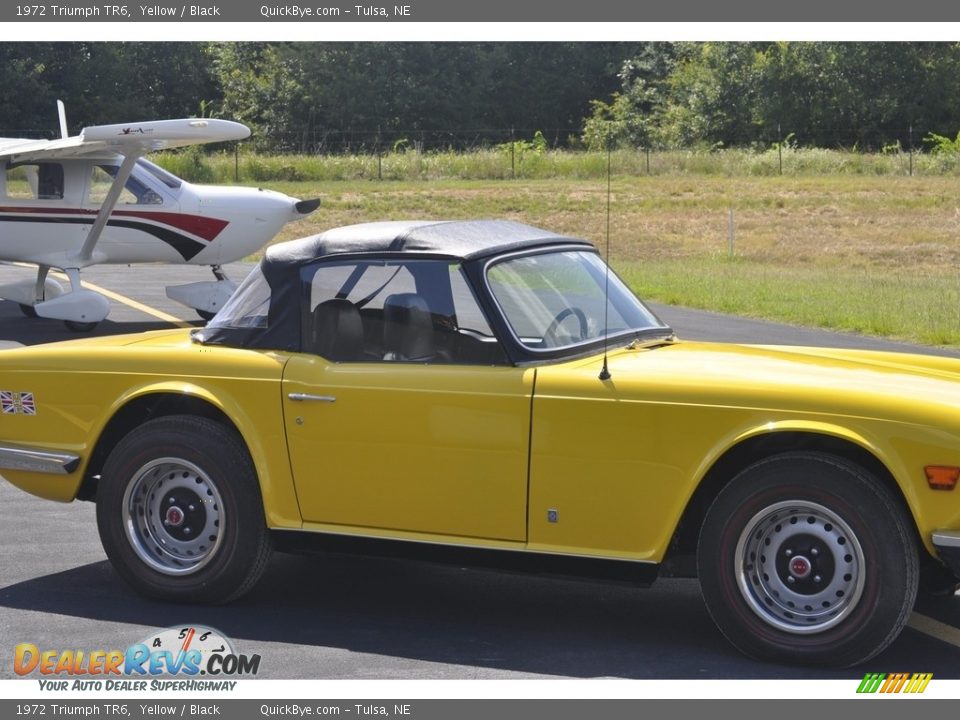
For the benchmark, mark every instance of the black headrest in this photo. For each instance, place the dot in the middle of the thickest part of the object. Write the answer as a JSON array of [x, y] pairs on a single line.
[[407, 327], [337, 330]]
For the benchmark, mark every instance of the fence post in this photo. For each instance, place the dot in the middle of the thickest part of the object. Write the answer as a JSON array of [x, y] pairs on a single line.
[[731, 233], [379, 164], [236, 162], [780, 148], [911, 151], [420, 155], [513, 161], [648, 160]]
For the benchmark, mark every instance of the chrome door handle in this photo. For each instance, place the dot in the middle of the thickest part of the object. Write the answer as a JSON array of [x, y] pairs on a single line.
[[304, 397]]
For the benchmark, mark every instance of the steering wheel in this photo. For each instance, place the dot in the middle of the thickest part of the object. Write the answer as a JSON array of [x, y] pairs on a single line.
[[550, 338]]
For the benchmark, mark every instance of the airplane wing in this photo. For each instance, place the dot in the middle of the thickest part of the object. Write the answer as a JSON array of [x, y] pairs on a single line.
[[132, 141], [126, 139]]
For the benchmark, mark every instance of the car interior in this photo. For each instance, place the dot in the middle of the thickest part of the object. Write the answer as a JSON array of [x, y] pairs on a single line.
[[412, 317]]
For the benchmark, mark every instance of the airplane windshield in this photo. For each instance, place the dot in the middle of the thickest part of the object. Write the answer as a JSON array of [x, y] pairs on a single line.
[[167, 178], [134, 191]]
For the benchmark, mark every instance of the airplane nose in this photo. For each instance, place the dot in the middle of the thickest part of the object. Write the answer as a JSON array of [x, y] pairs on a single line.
[[305, 207]]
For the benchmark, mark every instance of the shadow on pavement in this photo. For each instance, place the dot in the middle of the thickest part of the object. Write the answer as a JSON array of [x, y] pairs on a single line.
[[478, 618]]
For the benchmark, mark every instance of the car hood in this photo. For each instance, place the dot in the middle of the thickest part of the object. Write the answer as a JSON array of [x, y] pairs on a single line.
[[881, 385], [107, 352], [154, 337]]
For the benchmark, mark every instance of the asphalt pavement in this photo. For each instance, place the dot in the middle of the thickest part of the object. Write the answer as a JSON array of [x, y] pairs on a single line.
[[335, 616]]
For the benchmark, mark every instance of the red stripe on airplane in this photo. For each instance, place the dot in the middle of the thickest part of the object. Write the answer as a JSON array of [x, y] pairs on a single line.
[[204, 227]]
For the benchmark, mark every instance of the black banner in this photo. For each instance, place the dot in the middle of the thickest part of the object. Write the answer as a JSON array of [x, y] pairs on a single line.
[[785, 709], [579, 11]]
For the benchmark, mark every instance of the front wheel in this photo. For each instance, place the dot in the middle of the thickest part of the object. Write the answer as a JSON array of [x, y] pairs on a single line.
[[180, 513], [806, 558]]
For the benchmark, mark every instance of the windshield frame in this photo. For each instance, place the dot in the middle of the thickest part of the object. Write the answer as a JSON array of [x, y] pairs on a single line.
[[526, 354], [167, 179]]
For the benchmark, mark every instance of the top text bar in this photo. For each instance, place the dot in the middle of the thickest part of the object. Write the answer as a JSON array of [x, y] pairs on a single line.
[[325, 11]]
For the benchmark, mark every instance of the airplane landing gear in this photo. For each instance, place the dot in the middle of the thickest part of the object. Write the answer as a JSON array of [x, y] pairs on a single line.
[[206, 298], [79, 309], [29, 293], [44, 297], [79, 327]]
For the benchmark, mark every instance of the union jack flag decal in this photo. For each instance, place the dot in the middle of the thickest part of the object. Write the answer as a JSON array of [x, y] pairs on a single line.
[[17, 403]]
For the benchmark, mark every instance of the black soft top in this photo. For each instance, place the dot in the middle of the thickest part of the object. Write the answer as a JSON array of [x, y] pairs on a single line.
[[457, 239], [463, 239]]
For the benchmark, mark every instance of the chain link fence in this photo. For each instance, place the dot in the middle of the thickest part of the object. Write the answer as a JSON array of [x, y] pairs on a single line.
[[507, 153]]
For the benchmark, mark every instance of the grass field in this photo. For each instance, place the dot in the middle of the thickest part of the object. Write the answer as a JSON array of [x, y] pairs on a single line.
[[521, 160], [876, 254]]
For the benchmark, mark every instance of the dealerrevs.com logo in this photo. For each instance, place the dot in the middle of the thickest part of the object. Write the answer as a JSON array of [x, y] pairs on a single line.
[[910, 683], [186, 652]]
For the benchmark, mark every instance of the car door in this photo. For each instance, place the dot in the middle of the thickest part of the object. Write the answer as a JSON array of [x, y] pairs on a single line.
[[382, 440]]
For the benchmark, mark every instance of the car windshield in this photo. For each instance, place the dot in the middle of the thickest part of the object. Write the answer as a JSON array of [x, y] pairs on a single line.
[[556, 300], [249, 305]]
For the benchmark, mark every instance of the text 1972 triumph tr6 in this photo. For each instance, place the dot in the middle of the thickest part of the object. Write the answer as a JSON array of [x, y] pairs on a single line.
[[487, 391]]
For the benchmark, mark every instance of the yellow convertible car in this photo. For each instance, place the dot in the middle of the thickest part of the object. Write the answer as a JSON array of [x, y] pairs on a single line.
[[490, 393]]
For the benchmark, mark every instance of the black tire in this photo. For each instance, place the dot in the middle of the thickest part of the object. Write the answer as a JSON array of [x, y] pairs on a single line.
[[187, 484], [27, 310], [821, 533], [79, 327], [206, 315]]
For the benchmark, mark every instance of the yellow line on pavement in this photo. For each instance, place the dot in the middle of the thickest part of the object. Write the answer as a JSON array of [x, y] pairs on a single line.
[[129, 302], [935, 628]]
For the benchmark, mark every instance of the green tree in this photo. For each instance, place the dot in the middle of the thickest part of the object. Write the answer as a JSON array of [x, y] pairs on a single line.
[[632, 116]]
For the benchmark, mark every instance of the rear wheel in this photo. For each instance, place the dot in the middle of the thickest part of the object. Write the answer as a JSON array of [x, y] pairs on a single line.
[[180, 513], [27, 310], [806, 558]]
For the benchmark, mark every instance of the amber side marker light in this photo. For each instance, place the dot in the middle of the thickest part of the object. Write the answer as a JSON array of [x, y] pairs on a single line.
[[942, 477]]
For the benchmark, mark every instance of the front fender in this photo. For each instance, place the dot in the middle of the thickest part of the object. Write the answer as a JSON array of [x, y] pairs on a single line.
[[903, 449]]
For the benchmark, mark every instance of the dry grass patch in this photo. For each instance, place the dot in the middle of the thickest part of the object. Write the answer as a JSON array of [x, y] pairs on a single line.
[[876, 254]]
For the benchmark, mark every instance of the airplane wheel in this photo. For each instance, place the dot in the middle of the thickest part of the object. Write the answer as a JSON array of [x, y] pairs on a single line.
[[79, 327], [28, 310], [205, 315]]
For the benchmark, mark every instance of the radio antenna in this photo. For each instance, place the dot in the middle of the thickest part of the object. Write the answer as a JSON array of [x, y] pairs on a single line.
[[605, 371]]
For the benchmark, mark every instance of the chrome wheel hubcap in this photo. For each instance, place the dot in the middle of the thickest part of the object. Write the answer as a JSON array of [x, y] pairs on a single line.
[[173, 516], [799, 567]]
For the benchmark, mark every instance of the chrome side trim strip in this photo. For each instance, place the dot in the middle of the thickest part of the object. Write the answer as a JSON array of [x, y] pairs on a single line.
[[13, 457], [946, 538]]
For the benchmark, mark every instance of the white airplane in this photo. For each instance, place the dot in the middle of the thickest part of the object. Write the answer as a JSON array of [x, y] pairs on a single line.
[[78, 201]]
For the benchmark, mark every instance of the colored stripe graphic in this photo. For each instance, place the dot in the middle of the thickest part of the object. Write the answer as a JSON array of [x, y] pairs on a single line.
[[200, 225], [185, 246], [914, 683], [894, 683], [870, 683]]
